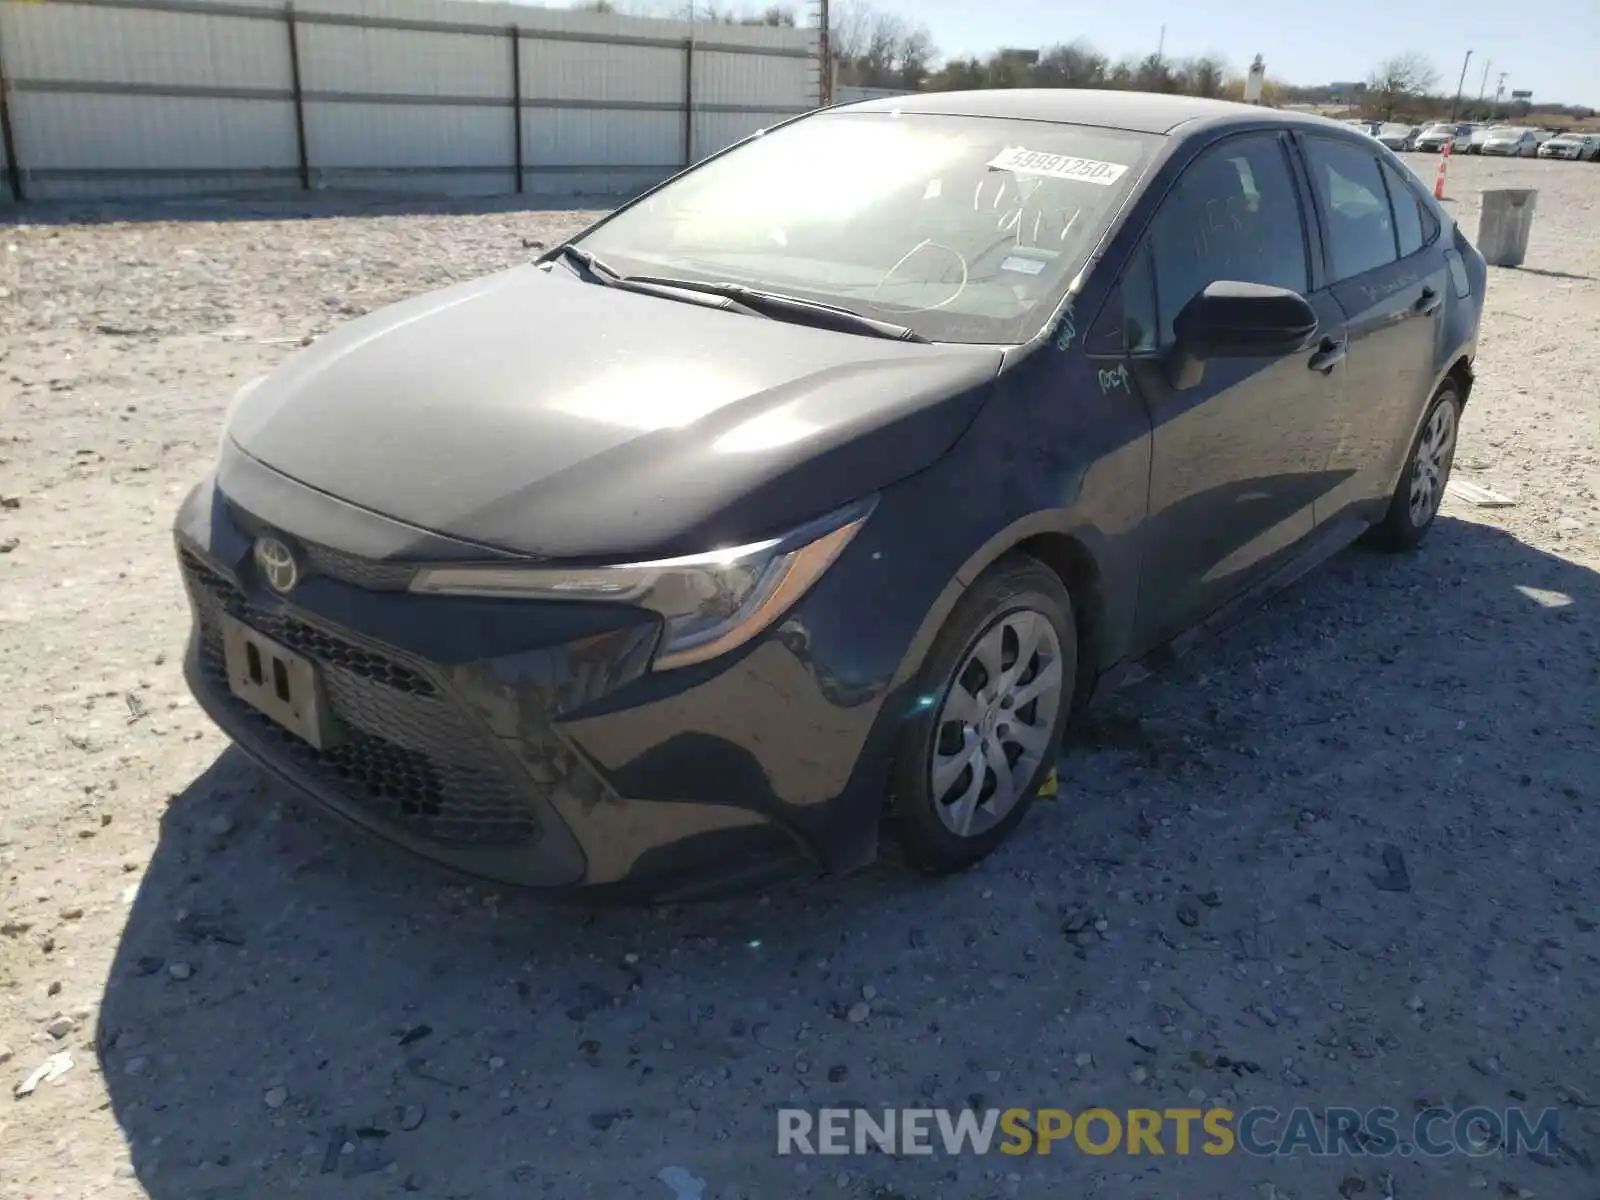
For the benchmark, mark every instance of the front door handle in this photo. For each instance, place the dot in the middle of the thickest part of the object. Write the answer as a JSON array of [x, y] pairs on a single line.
[[1328, 355], [1429, 302]]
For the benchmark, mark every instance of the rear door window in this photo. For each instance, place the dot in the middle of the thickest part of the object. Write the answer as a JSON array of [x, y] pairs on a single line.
[[1355, 207]]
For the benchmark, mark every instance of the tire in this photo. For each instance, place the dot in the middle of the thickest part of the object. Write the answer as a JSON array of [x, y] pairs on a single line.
[[966, 725], [1419, 493]]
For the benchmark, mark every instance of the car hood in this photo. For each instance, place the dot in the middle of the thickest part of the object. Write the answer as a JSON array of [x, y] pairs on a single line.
[[533, 412]]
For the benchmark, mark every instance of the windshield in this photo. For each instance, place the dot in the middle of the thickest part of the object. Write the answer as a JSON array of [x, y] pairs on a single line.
[[965, 229]]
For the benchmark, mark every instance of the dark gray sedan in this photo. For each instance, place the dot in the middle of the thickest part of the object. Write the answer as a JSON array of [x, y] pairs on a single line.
[[799, 502]]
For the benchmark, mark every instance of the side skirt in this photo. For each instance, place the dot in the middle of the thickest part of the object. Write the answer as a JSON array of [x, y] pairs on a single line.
[[1322, 545]]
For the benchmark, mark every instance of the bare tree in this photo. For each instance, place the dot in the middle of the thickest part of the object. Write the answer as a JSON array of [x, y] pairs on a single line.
[[886, 34], [1075, 65], [1204, 76], [917, 55], [847, 30], [1154, 74], [1399, 80], [879, 49]]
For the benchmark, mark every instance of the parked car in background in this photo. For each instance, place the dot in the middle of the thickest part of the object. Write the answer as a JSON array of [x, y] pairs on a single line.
[[749, 523], [1583, 147], [1364, 125], [1511, 143], [1398, 137], [1480, 134], [1434, 138]]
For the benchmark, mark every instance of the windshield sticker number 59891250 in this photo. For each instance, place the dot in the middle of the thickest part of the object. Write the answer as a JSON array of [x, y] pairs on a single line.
[[1021, 161]]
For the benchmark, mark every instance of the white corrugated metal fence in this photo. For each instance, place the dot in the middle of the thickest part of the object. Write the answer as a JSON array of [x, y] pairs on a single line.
[[117, 98]]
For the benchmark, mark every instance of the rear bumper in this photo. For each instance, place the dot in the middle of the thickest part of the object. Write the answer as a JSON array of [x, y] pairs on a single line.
[[528, 743]]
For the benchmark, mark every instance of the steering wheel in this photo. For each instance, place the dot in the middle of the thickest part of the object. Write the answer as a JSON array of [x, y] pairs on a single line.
[[925, 244]]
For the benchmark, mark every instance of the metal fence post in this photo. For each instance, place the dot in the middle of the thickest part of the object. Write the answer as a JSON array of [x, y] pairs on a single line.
[[7, 137], [516, 100], [299, 98], [688, 101]]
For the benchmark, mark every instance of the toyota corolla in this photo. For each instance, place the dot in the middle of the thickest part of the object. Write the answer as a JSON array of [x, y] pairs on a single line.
[[800, 502]]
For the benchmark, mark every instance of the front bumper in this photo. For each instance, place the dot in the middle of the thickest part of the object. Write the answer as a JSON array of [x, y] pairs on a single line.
[[528, 743]]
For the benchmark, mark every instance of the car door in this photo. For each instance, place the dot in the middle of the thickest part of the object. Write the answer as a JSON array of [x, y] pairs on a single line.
[[1385, 262], [1237, 459]]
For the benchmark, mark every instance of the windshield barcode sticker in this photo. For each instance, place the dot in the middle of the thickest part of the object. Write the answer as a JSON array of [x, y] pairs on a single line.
[[1027, 266], [1021, 161]]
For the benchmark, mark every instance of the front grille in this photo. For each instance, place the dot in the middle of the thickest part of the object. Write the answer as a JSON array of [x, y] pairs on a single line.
[[375, 575], [408, 754], [367, 573]]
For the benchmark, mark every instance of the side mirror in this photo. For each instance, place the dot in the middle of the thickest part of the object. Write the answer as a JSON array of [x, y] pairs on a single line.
[[1229, 319]]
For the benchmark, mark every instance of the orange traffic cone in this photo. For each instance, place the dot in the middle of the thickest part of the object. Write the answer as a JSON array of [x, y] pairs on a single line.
[[1438, 180]]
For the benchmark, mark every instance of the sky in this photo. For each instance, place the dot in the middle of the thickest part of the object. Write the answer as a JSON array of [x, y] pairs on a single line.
[[1548, 47]]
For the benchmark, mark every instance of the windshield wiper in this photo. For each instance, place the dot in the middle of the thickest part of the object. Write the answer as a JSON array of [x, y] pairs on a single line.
[[778, 305], [598, 267], [738, 297], [604, 273]]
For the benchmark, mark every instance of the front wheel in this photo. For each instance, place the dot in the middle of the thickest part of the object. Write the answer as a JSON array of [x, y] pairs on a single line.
[[1420, 492], [994, 697]]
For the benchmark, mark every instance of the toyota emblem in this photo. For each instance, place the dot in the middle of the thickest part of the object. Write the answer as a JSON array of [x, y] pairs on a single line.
[[277, 564]]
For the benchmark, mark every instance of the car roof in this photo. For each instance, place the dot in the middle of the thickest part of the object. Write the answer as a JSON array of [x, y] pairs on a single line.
[[1139, 112]]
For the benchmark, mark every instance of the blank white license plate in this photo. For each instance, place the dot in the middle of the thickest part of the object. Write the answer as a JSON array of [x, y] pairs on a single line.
[[276, 682]]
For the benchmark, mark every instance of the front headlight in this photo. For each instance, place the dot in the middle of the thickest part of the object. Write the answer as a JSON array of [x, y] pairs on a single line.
[[711, 603]]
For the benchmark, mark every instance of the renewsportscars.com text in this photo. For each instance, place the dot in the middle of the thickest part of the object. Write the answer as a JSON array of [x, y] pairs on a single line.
[[1434, 1132]]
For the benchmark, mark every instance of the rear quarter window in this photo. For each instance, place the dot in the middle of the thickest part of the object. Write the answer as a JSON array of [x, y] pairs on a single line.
[[1407, 211]]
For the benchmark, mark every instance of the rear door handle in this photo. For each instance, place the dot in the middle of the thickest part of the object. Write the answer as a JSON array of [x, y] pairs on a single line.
[[1328, 354], [1428, 303]]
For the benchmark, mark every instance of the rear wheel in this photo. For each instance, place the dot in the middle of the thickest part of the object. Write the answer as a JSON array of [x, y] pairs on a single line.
[[996, 693], [1420, 491]]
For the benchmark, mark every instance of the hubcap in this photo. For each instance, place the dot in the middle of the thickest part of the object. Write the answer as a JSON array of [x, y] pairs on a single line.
[[994, 727], [1432, 469]]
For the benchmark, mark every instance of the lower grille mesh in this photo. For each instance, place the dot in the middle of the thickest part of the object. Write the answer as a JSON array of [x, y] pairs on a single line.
[[409, 755]]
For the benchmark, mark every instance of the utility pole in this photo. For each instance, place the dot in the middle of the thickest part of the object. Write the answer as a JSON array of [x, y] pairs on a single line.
[[1499, 91], [824, 57], [1161, 44], [1484, 85], [1460, 83]]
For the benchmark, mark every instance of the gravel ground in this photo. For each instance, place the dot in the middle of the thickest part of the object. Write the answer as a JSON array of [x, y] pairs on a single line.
[[249, 995]]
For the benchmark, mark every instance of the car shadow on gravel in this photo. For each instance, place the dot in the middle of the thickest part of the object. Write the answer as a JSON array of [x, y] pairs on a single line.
[[294, 1007], [320, 206]]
